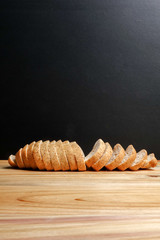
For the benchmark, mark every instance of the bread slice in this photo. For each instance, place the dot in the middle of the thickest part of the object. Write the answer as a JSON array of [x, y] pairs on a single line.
[[151, 161], [128, 159], [37, 155], [96, 153], [19, 159], [31, 160], [104, 158], [139, 160], [12, 161], [79, 156], [70, 156], [62, 156], [116, 158], [53, 156], [25, 157], [46, 156]]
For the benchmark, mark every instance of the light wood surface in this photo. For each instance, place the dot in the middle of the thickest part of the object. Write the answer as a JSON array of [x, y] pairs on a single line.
[[79, 205]]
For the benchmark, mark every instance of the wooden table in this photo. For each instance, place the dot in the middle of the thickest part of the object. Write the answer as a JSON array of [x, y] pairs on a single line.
[[79, 205]]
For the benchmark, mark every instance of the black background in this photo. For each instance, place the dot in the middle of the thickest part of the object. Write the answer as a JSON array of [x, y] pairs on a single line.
[[80, 70]]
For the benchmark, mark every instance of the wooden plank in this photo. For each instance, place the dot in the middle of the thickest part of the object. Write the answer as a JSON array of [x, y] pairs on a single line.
[[81, 205]]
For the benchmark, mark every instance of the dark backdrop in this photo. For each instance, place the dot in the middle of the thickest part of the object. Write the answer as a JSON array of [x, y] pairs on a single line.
[[80, 70]]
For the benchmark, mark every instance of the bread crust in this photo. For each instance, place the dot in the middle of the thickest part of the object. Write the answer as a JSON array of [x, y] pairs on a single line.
[[46, 156], [37, 155], [138, 165], [25, 157], [79, 156], [152, 163], [116, 162], [101, 162], [12, 161], [53, 156], [19, 159], [97, 151], [70, 156], [130, 159], [61, 155], [31, 160]]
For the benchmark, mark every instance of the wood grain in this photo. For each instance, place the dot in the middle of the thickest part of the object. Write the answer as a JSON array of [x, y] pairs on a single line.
[[79, 205]]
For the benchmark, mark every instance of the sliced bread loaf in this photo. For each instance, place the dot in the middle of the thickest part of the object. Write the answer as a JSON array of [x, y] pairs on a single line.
[[12, 160], [37, 155], [79, 156], [151, 161], [141, 156], [96, 153], [102, 161], [62, 156], [70, 156], [46, 156], [19, 159], [31, 160], [128, 159], [116, 158], [54, 156]]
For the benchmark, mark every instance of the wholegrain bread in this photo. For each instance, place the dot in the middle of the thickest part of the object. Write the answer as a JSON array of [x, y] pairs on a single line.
[[31, 160], [19, 159], [25, 157], [96, 153], [141, 156], [62, 156], [45, 155], [79, 156], [12, 160], [54, 156], [116, 158], [151, 161], [37, 155], [70, 156], [102, 161], [128, 159]]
